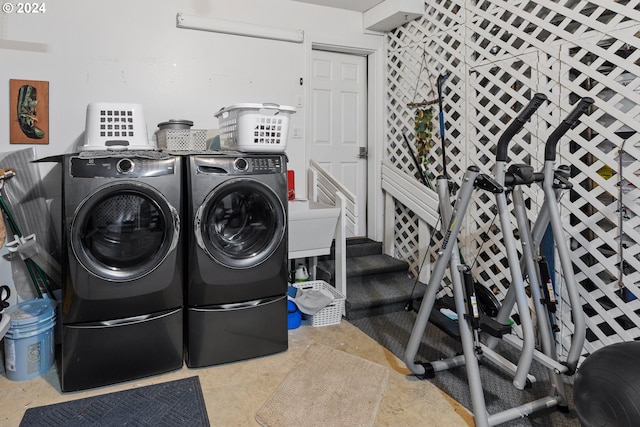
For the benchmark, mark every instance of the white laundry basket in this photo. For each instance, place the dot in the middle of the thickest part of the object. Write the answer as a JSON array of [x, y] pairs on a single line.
[[257, 128], [116, 126], [331, 314]]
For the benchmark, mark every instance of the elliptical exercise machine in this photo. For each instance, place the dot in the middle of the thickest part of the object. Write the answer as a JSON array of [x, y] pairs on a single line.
[[470, 321], [534, 266]]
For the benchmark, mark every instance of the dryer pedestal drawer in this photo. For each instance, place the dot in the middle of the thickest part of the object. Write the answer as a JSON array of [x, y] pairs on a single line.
[[102, 353], [234, 332]]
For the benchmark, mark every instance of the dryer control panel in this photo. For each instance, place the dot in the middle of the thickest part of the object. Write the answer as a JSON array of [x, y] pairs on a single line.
[[240, 165], [114, 167], [258, 164]]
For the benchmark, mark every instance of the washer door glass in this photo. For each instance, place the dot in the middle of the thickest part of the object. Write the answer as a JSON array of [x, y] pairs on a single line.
[[124, 231], [241, 223]]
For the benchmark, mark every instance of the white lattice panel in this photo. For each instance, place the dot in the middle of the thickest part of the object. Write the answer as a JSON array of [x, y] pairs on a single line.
[[498, 54], [500, 91]]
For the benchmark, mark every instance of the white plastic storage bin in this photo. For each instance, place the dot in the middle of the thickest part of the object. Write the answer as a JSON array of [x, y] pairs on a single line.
[[254, 128], [116, 126]]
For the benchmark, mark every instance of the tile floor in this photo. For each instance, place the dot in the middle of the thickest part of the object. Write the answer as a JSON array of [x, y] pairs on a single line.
[[234, 392]]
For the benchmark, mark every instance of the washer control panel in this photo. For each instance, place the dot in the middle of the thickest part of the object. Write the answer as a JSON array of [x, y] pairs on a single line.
[[114, 167]]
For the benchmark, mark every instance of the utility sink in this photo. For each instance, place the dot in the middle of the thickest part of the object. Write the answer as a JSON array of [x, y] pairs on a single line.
[[312, 226]]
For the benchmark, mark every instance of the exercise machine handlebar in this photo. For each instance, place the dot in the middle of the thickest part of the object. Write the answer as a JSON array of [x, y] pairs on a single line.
[[524, 175], [517, 124], [562, 248], [570, 121]]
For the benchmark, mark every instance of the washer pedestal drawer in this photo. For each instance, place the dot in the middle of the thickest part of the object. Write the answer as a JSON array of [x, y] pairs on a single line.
[[234, 332], [102, 353]]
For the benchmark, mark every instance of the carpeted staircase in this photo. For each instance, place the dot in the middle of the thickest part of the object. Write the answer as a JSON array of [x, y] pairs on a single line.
[[376, 283]]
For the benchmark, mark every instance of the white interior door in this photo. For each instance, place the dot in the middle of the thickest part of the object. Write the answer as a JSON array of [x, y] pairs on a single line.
[[339, 122]]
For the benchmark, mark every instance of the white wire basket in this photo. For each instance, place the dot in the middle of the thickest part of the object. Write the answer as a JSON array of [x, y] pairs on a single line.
[[182, 139], [256, 128], [331, 314]]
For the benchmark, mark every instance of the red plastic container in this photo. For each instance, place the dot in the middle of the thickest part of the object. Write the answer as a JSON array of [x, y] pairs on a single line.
[[291, 185]]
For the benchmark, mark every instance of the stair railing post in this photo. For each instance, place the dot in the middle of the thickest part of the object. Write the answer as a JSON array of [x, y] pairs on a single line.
[[341, 247], [313, 185], [389, 223]]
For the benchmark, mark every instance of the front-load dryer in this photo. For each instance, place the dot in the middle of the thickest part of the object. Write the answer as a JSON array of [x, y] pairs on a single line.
[[236, 266], [122, 309]]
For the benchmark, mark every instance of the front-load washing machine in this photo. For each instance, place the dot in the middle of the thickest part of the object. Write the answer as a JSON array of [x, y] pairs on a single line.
[[122, 305], [236, 265]]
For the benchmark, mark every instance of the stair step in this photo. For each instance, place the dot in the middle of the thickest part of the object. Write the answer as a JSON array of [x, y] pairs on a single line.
[[367, 265], [356, 246], [376, 283], [382, 293]]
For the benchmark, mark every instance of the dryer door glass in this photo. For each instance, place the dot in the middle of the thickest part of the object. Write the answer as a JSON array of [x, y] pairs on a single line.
[[123, 232], [241, 223]]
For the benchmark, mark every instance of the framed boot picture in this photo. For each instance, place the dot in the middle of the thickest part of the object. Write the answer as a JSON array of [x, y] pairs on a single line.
[[29, 112]]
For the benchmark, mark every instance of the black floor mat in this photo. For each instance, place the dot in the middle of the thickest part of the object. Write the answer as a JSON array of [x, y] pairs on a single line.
[[173, 403]]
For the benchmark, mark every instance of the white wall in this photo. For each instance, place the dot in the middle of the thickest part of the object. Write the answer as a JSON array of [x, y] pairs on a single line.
[[131, 51]]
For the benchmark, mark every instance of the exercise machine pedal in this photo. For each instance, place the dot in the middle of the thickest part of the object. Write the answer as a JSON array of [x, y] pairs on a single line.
[[493, 327], [445, 323], [450, 326]]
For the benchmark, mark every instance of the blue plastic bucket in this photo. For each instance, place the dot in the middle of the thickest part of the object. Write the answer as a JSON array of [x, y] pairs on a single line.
[[294, 317], [29, 343]]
